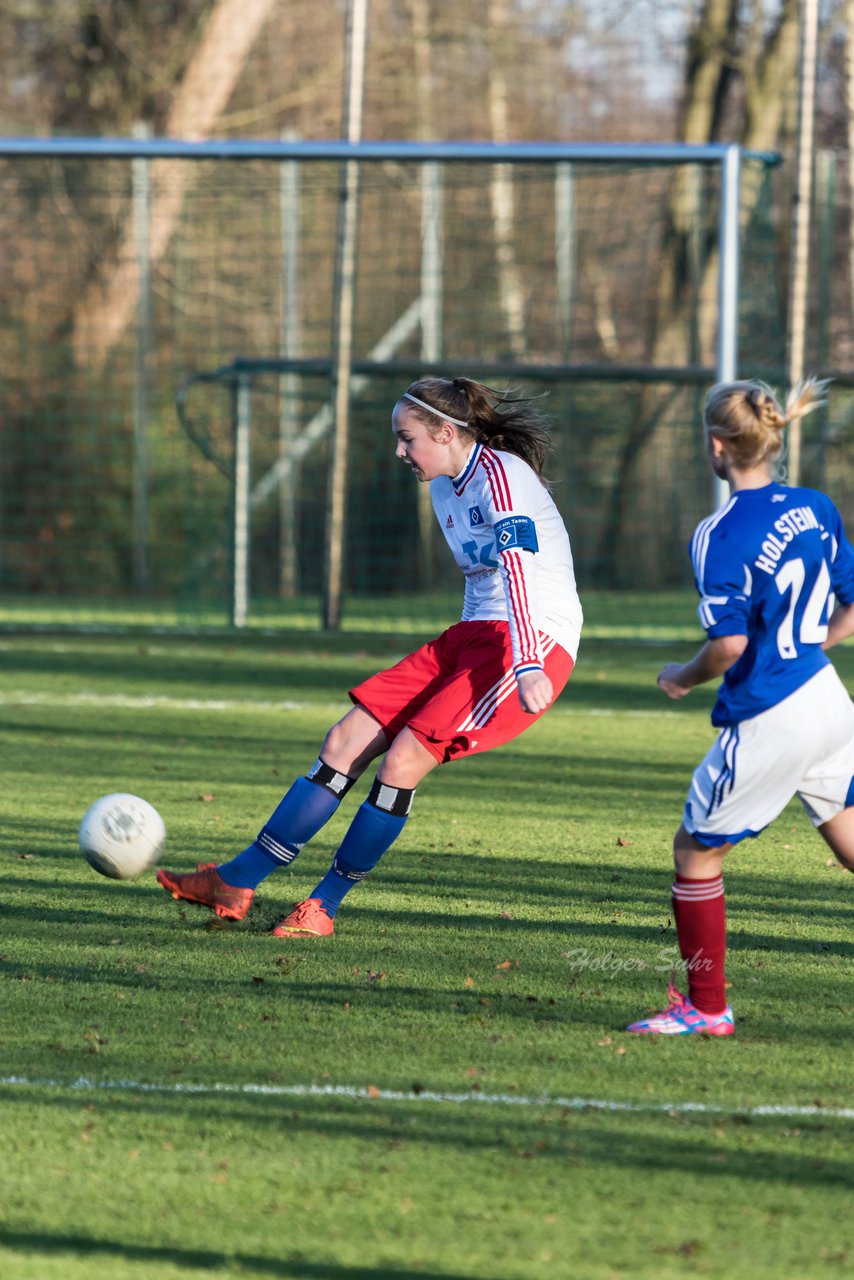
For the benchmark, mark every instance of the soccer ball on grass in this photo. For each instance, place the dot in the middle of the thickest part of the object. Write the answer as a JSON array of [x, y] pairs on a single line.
[[121, 836]]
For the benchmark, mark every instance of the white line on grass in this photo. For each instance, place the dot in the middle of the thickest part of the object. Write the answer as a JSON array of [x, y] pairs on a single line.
[[372, 1093], [146, 702]]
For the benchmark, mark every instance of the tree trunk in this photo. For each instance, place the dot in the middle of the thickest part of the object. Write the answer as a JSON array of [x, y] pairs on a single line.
[[628, 534], [511, 294], [109, 304], [849, 110], [430, 333]]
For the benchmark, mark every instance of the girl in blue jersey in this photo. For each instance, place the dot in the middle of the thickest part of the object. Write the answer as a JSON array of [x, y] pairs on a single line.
[[476, 686], [775, 574]]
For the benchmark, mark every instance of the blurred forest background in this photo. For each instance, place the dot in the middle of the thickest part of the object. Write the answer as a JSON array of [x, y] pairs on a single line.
[[104, 492], [623, 70]]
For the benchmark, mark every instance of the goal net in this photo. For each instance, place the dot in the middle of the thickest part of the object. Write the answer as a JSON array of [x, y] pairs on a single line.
[[168, 333]]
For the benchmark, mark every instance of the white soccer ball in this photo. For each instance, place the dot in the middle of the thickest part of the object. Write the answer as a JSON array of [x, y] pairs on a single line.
[[121, 836]]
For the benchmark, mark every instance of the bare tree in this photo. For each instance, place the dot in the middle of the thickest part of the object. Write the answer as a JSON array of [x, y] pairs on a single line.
[[849, 112], [714, 69], [510, 291], [108, 305]]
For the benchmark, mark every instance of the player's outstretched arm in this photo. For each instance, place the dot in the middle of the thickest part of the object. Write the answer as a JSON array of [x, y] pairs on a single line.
[[715, 657], [536, 691]]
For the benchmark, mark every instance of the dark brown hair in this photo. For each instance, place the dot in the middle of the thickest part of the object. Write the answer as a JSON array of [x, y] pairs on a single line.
[[491, 417]]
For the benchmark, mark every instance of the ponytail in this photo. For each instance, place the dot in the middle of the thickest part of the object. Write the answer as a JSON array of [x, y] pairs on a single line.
[[486, 415], [748, 417]]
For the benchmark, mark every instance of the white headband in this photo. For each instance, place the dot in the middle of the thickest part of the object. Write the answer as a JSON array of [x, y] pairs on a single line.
[[446, 417]]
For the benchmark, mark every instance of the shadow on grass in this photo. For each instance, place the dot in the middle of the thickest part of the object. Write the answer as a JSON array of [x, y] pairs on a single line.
[[749, 1151], [474, 889], [317, 667], [291, 669], [597, 980], [168, 743], [30, 1242]]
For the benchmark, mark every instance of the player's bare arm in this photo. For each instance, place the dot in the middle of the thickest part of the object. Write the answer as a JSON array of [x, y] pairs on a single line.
[[709, 663], [840, 626]]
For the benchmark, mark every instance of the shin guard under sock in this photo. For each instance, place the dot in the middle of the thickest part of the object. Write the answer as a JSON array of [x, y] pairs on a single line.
[[305, 809], [374, 829]]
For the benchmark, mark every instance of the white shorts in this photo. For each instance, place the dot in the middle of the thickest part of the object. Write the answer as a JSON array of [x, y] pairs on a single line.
[[803, 746]]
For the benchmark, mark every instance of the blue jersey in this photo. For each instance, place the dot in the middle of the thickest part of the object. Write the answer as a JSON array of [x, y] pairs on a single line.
[[768, 565]]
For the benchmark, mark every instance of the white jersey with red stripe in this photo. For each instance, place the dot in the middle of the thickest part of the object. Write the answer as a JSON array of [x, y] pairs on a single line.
[[507, 536]]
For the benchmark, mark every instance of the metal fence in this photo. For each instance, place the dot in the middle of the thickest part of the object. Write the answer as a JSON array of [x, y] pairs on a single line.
[[172, 313]]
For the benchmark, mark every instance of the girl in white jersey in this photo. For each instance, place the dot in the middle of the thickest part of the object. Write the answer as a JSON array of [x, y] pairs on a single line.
[[476, 686], [768, 566]]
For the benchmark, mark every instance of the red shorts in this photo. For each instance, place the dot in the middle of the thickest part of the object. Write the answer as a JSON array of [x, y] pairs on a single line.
[[457, 693]]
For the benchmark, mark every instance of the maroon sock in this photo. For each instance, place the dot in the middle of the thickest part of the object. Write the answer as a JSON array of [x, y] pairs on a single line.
[[699, 908]]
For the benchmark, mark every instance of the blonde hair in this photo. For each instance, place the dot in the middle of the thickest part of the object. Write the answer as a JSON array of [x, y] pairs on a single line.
[[748, 417]]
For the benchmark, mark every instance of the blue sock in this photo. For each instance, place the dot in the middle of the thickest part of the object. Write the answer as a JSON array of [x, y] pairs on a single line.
[[306, 808], [376, 826]]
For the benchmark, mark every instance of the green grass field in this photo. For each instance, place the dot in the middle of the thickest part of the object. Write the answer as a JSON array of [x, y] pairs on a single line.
[[417, 1096]]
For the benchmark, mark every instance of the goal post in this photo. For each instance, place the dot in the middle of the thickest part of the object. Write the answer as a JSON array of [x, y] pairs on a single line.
[[224, 506]]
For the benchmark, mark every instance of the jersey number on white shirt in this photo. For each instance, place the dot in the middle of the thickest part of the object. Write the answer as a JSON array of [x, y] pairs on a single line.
[[470, 549]]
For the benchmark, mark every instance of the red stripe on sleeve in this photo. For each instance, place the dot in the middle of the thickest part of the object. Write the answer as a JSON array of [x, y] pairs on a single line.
[[518, 596]]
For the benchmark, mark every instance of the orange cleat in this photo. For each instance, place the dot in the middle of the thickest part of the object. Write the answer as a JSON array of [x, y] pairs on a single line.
[[308, 919], [206, 887]]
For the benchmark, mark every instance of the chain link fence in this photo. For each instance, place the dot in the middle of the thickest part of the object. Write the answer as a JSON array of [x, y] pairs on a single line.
[[158, 310]]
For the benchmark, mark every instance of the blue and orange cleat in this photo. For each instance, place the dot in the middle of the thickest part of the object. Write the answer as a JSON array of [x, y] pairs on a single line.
[[308, 919], [206, 887], [682, 1018]]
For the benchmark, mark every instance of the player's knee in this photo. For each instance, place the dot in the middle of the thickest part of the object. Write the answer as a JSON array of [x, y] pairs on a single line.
[[680, 858], [353, 742], [844, 854], [690, 858], [343, 747], [838, 834], [681, 847], [406, 762], [334, 744], [398, 760]]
